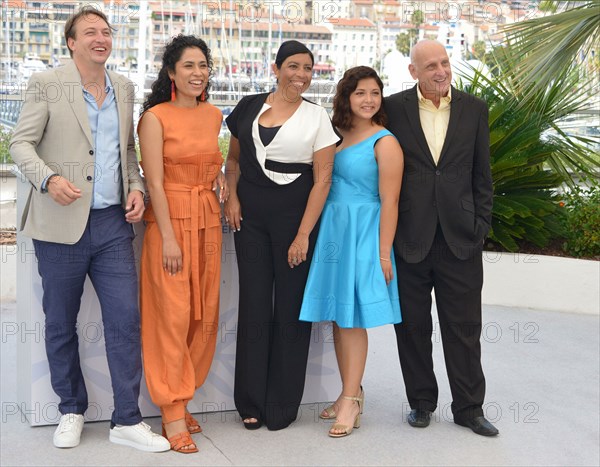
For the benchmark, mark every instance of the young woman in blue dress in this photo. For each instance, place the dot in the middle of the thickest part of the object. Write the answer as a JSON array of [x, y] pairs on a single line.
[[351, 280]]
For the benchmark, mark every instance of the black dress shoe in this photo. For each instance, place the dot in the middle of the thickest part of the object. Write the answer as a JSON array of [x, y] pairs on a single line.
[[419, 418], [479, 425], [252, 425]]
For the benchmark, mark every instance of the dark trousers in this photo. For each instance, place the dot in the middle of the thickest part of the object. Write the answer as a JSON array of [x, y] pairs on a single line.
[[272, 345], [457, 285], [105, 253]]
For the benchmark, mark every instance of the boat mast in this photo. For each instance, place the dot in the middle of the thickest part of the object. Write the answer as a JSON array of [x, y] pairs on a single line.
[[7, 40], [141, 55]]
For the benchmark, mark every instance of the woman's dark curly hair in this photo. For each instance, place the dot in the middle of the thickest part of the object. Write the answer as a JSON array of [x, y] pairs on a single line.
[[161, 88], [342, 114]]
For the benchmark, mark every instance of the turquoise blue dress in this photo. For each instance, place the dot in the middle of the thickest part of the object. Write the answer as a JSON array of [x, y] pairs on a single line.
[[345, 282]]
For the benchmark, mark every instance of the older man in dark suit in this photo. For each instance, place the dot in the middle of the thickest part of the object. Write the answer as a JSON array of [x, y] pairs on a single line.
[[445, 215]]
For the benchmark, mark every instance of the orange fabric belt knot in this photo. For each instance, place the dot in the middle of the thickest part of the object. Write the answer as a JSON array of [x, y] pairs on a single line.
[[198, 298]]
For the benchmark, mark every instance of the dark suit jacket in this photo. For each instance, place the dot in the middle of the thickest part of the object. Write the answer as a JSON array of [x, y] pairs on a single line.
[[457, 193]]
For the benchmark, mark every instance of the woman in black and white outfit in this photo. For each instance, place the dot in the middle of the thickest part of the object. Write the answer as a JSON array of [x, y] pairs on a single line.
[[279, 173]]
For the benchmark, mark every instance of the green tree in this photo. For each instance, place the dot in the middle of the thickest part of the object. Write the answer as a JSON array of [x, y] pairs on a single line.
[[418, 18], [479, 50], [403, 43], [377, 64], [5, 136], [223, 146]]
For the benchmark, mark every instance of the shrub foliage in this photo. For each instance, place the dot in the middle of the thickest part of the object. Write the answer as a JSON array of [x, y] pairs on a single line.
[[582, 223]]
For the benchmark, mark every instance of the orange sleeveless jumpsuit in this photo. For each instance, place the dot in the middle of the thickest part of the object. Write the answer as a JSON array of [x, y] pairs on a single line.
[[180, 313]]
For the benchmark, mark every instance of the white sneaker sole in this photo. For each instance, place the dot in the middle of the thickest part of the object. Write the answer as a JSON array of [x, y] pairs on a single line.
[[65, 445], [133, 444]]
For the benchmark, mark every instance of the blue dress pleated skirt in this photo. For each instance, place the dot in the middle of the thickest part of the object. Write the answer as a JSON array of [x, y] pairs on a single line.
[[345, 282]]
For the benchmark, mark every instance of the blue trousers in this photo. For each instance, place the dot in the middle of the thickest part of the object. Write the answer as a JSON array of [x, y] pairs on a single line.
[[105, 254]]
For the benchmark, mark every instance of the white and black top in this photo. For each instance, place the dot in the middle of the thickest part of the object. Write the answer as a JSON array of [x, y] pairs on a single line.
[[284, 158]]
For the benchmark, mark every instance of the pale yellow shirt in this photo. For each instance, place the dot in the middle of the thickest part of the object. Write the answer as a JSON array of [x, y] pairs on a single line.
[[434, 121]]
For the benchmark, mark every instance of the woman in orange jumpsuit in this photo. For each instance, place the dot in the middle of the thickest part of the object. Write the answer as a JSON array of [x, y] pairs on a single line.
[[181, 255]]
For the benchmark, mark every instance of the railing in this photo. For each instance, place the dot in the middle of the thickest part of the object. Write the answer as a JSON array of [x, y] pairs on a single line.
[[10, 109], [12, 101], [11, 104]]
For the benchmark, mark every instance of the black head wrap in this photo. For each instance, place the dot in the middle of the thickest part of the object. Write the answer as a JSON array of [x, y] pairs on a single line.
[[289, 48]]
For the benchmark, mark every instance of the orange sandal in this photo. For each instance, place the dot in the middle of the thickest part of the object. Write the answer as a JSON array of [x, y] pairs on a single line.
[[180, 441], [192, 424]]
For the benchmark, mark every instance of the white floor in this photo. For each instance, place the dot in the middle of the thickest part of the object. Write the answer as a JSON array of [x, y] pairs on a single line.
[[542, 371]]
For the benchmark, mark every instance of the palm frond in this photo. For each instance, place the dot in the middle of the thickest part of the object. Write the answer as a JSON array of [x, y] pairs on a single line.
[[548, 45], [531, 155]]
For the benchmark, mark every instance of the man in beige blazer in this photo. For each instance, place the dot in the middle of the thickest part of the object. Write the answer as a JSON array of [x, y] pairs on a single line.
[[74, 143]]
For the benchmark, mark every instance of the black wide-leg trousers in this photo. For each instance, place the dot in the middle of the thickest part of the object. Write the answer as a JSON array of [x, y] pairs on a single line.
[[457, 286], [272, 345]]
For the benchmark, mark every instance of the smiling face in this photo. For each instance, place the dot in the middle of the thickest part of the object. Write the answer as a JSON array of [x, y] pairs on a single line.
[[430, 65], [294, 75], [365, 101], [190, 74], [92, 41]]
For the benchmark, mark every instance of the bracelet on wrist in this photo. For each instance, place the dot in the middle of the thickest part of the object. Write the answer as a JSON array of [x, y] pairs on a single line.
[[385, 259]]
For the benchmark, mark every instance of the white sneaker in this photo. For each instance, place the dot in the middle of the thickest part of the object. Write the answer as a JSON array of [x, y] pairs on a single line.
[[139, 436], [68, 431]]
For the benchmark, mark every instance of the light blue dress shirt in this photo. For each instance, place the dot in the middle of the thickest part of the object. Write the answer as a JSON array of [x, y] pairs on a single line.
[[104, 170]]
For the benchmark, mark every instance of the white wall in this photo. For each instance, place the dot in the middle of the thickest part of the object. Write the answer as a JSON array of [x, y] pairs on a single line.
[[8, 276], [33, 377], [541, 282], [8, 203]]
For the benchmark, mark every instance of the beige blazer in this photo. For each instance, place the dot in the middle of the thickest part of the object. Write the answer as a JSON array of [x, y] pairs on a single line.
[[53, 135]]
